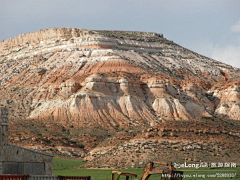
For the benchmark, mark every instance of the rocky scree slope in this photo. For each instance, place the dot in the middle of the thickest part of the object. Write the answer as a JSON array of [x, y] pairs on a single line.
[[207, 140], [113, 80]]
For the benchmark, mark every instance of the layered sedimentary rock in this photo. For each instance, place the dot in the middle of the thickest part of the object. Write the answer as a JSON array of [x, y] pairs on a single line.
[[229, 102], [111, 79]]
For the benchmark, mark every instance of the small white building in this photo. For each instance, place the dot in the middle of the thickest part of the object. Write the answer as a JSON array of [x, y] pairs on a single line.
[[19, 160]]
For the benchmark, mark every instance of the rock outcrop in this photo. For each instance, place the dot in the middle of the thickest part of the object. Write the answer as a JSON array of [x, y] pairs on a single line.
[[229, 102], [111, 78], [93, 92]]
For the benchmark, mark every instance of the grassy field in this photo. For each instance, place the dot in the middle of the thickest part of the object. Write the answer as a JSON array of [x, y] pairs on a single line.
[[68, 168]]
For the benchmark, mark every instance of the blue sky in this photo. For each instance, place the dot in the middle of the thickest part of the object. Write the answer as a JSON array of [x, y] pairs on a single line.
[[209, 27]]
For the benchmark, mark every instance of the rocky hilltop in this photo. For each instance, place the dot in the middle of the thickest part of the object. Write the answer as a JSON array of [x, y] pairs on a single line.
[[113, 80]]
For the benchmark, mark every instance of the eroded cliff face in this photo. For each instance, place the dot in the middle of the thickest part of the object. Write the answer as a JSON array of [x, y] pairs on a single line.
[[229, 101], [112, 79], [111, 95]]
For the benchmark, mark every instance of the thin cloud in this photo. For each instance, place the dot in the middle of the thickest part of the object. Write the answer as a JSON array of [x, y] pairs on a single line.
[[236, 27], [229, 55]]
